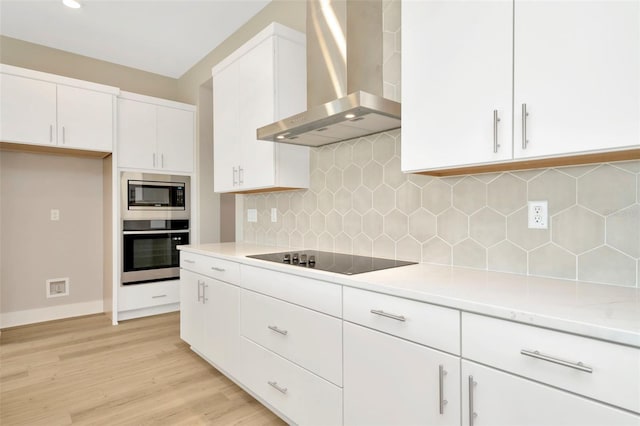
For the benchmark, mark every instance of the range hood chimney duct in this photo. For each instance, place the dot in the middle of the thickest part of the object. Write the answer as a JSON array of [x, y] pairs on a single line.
[[344, 77]]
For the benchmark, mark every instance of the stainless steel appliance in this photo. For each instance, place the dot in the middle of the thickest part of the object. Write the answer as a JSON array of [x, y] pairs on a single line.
[[155, 213], [154, 196], [341, 263]]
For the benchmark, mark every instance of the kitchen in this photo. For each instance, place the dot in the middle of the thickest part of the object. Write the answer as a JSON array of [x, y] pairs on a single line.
[[360, 202]]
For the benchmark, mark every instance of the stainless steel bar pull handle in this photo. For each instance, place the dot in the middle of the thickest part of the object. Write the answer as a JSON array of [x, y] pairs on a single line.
[[199, 286], [575, 365], [388, 315], [154, 159], [472, 414], [51, 133], [278, 330], [525, 114], [204, 293], [215, 268], [189, 261], [277, 387], [441, 373], [64, 135], [159, 296], [496, 120], [235, 179], [162, 160], [240, 175]]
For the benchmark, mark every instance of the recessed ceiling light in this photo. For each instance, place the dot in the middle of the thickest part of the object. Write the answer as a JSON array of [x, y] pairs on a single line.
[[280, 137], [73, 4], [349, 116]]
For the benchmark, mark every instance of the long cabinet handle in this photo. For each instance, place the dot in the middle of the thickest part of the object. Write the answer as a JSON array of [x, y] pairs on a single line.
[[496, 120], [575, 365], [189, 261], [154, 159], [215, 268], [159, 296], [51, 133], [441, 373], [472, 414], [204, 292], [235, 172], [64, 135], [388, 315], [162, 160], [277, 330], [240, 175], [525, 114], [277, 387], [200, 283]]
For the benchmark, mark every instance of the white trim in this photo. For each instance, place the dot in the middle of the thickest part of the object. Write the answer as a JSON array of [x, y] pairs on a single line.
[[156, 101], [145, 312], [31, 316], [58, 79]]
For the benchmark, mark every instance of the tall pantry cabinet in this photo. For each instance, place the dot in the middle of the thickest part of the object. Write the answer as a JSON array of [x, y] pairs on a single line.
[[262, 81]]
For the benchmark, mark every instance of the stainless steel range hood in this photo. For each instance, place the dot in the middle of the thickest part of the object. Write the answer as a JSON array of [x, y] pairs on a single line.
[[344, 77]]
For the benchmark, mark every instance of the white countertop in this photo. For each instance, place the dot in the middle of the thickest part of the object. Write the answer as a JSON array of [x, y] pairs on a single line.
[[605, 312]]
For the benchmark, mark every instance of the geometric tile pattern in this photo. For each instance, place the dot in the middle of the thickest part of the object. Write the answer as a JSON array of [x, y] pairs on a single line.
[[366, 205], [360, 202]]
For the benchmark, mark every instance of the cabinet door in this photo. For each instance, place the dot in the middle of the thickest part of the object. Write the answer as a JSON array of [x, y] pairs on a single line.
[[136, 134], [456, 71], [27, 110], [221, 326], [85, 119], [577, 69], [389, 381], [226, 148], [502, 399], [256, 102], [175, 139], [192, 313]]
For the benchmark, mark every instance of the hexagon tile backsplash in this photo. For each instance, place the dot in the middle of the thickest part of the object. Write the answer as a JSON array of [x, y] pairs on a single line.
[[361, 203]]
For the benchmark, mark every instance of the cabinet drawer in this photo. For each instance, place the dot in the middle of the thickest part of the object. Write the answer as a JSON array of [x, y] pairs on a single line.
[[303, 397], [147, 295], [305, 337], [213, 267], [317, 295], [419, 322], [612, 371]]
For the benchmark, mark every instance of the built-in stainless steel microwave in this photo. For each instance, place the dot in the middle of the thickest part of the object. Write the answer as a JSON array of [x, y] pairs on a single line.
[[153, 196]]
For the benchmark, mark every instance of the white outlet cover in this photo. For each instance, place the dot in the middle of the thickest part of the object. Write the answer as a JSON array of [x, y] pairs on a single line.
[[538, 214], [55, 214]]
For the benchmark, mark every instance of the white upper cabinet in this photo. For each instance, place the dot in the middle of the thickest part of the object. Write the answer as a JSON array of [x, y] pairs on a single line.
[[456, 72], [44, 109], [469, 67], [261, 82], [155, 134], [577, 69]]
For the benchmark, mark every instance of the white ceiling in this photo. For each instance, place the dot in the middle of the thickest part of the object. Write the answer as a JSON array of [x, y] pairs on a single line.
[[165, 37]]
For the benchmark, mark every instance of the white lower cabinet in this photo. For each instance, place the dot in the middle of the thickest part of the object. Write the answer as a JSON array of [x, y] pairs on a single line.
[[209, 319], [297, 394], [501, 399], [390, 381]]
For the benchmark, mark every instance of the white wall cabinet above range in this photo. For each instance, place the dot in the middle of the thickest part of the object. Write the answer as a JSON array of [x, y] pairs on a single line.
[[261, 82], [575, 84], [155, 134], [50, 110]]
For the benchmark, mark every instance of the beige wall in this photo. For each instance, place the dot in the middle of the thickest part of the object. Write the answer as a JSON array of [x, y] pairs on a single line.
[[41, 58], [35, 248]]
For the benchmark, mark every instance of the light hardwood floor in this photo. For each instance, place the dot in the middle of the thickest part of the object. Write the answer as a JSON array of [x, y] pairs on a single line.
[[86, 371]]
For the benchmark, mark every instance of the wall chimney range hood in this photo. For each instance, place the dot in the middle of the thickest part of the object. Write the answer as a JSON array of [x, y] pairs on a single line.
[[344, 77]]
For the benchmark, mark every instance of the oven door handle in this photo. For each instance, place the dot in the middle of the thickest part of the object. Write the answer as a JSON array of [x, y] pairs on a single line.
[[179, 231]]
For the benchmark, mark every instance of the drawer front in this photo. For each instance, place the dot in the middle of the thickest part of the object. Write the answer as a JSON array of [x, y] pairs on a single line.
[[320, 296], [303, 397], [305, 337], [554, 357], [213, 267], [419, 322], [147, 295]]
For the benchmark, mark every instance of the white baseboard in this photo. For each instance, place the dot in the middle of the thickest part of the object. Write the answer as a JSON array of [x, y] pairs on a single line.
[[31, 316], [145, 312]]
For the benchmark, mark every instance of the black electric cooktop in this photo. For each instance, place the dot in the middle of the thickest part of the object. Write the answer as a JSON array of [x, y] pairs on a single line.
[[332, 262]]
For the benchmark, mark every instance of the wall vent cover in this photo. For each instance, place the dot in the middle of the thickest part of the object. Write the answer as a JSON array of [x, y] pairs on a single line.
[[57, 287]]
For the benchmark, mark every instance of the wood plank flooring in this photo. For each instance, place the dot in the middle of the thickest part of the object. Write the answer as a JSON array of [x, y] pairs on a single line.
[[86, 371]]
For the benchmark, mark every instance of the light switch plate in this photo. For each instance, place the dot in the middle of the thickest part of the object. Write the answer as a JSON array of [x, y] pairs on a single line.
[[55, 214], [252, 215]]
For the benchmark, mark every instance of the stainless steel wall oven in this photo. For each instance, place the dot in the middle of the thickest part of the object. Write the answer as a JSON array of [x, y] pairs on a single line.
[[155, 220]]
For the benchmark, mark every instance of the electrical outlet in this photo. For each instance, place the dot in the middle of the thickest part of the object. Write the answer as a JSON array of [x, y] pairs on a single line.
[[252, 215], [55, 214], [274, 214], [538, 214]]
